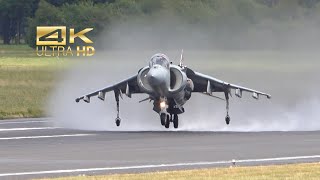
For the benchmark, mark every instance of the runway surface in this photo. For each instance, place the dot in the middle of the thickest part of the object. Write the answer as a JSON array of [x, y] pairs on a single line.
[[32, 148]]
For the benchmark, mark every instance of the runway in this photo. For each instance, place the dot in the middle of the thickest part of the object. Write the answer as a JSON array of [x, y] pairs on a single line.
[[33, 148]]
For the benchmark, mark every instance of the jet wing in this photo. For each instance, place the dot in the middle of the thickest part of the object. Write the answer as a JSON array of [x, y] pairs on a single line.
[[127, 86], [207, 84]]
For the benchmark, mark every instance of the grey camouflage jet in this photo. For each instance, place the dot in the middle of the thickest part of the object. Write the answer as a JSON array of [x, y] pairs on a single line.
[[170, 86]]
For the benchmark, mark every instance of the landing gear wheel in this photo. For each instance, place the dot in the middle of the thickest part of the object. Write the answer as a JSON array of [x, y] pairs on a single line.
[[227, 119], [175, 121], [163, 118], [118, 120], [167, 125]]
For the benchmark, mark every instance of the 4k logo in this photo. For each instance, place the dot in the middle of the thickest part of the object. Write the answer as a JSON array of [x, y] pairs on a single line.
[[57, 35], [54, 41]]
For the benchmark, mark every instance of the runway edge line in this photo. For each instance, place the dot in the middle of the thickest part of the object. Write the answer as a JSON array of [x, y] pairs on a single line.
[[159, 166], [49, 136]]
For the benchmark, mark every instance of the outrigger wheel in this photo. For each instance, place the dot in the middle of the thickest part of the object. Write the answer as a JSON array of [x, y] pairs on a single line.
[[227, 119], [118, 120]]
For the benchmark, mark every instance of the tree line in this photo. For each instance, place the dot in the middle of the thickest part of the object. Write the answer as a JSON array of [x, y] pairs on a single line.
[[19, 18]]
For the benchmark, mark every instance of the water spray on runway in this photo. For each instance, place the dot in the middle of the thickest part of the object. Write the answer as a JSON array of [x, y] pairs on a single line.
[[256, 116]]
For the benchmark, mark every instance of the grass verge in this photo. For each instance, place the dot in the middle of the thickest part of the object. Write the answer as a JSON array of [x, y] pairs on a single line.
[[25, 82], [306, 171]]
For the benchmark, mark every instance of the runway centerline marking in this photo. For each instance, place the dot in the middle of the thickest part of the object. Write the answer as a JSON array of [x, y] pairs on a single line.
[[26, 129], [51, 136], [159, 165]]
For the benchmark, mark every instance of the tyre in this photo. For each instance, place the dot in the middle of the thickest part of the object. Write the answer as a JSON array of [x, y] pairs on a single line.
[[118, 122], [175, 121], [227, 120], [163, 119], [167, 125]]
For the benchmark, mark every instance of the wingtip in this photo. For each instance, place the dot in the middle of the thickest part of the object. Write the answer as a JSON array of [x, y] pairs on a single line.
[[269, 96]]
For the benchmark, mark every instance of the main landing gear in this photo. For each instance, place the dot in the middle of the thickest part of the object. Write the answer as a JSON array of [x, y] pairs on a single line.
[[163, 118], [166, 119], [175, 121]]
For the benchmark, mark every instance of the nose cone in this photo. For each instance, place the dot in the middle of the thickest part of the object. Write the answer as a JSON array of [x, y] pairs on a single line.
[[156, 76]]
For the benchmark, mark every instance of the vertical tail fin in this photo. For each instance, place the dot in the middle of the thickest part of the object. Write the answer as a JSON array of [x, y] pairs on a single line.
[[181, 59]]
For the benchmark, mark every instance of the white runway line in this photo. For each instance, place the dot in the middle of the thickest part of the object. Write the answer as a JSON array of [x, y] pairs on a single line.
[[51, 136], [24, 122], [158, 166], [26, 129]]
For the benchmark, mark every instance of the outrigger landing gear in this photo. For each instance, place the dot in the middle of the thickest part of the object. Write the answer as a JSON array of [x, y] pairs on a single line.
[[227, 108], [118, 120]]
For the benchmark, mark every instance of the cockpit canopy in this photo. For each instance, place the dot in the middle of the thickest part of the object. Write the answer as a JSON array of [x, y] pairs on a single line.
[[160, 59]]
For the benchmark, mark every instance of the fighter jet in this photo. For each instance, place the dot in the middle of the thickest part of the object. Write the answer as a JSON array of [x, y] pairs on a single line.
[[170, 86]]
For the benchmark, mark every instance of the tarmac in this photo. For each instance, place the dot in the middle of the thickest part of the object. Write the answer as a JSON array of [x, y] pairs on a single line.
[[33, 148]]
